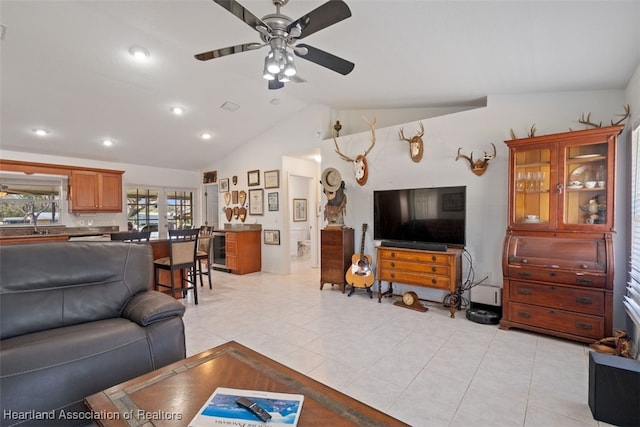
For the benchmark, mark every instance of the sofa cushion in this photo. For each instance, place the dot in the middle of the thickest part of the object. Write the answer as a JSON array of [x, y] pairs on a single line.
[[67, 283], [46, 370]]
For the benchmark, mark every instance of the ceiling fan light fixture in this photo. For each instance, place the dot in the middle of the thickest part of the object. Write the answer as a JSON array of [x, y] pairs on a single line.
[[290, 67], [273, 62], [266, 74]]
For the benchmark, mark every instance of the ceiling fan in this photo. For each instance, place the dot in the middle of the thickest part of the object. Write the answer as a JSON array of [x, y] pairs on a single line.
[[281, 34]]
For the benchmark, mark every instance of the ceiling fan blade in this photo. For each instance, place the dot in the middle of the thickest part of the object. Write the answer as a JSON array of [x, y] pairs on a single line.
[[326, 59], [241, 13], [275, 84], [205, 56], [321, 17]]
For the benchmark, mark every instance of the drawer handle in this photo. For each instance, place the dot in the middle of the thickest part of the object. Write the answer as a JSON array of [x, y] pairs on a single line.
[[393, 264], [433, 269], [393, 275], [393, 254], [586, 326], [552, 274], [524, 314], [524, 261], [434, 281], [584, 300], [433, 258], [525, 291], [523, 274], [583, 281], [585, 266]]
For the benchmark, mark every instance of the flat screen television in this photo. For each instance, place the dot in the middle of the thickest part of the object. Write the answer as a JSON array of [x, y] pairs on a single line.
[[420, 215]]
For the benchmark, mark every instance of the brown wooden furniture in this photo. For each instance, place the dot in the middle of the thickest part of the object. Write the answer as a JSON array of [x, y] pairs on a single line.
[[95, 191], [243, 251], [90, 189], [431, 269], [558, 254], [336, 249], [179, 390], [34, 238], [182, 259]]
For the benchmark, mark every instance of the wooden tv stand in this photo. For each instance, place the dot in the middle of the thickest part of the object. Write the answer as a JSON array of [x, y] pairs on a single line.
[[431, 269]]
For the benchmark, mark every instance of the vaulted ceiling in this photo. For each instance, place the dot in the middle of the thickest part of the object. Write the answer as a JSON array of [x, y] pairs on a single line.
[[65, 66]]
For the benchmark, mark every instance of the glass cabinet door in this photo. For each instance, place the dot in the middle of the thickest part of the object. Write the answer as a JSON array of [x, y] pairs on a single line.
[[585, 184], [530, 189]]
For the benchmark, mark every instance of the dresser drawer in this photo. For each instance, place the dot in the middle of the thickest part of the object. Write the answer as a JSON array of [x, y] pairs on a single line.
[[409, 278], [569, 277], [558, 320], [413, 256], [554, 296], [440, 270]]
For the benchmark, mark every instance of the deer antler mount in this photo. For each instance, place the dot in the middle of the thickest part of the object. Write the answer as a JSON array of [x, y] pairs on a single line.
[[359, 163], [587, 120], [479, 166], [416, 146]]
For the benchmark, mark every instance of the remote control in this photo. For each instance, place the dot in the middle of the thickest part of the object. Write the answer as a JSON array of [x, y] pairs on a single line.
[[258, 410]]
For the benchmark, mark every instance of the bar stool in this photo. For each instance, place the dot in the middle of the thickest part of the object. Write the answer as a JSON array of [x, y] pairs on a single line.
[[205, 252], [182, 256]]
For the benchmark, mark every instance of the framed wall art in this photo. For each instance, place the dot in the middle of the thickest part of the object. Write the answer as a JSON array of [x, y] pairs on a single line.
[[210, 177], [253, 178], [271, 237], [272, 179], [299, 210], [256, 202], [234, 197], [224, 185], [272, 201]]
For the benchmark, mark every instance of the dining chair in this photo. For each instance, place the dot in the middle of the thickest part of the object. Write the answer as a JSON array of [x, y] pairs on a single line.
[[182, 258], [131, 236]]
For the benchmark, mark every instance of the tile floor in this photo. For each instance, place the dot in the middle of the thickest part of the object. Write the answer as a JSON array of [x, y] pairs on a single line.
[[425, 369]]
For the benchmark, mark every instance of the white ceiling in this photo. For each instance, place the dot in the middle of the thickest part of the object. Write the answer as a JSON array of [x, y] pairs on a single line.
[[65, 66]]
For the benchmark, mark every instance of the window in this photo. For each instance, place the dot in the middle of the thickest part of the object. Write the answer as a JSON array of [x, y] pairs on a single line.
[[632, 299], [157, 210], [29, 201]]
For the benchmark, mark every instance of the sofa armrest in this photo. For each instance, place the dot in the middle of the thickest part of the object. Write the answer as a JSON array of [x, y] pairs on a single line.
[[147, 307]]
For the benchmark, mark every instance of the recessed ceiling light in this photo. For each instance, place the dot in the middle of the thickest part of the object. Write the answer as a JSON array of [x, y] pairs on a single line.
[[275, 101], [178, 111], [41, 131], [139, 53], [206, 135], [107, 142], [230, 106]]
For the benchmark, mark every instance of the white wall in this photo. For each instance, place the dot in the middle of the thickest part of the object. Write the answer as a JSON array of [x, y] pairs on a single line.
[[391, 167]]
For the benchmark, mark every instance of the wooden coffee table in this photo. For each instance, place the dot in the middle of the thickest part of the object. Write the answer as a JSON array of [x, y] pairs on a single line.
[[172, 395]]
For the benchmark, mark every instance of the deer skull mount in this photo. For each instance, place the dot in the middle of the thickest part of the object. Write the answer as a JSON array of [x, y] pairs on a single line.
[[359, 163], [416, 146], [479, 166]]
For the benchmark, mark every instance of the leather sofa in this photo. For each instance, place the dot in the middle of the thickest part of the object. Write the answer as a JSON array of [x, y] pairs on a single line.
[[75, 319]]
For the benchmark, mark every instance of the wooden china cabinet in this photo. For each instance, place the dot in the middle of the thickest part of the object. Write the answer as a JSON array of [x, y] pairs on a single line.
[[336, 249], [558, 256]]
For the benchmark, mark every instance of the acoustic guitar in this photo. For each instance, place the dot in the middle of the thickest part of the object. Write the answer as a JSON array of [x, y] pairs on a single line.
[[360, 274]]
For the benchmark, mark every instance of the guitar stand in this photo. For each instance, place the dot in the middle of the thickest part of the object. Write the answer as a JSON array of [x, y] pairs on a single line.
[[353, 289]]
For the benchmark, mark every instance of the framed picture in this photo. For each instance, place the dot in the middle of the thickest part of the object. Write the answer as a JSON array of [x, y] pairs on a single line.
[[299, 210], [256, 202], [271, 237], [224, 185], [272, 201], [272, 179], [210, 177], [234, 197], [253, 178], [453, 202]]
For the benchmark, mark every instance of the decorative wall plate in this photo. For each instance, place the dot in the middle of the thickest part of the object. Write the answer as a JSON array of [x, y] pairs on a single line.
[[243, 213], [236, 212], [228, 213], [242, 197], [227, 198]]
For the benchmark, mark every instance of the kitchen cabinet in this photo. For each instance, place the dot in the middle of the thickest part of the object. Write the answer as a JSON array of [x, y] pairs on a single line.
[[95, 191], [558, 253], [243, 251]]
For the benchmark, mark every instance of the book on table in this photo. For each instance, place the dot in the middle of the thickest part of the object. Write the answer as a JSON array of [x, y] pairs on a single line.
[[222, 409]]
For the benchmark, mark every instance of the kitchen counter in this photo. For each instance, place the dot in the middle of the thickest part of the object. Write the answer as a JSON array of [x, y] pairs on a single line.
[[51, 233]]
